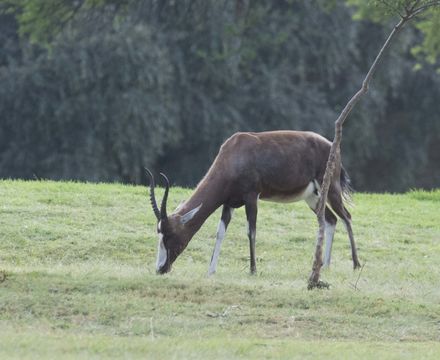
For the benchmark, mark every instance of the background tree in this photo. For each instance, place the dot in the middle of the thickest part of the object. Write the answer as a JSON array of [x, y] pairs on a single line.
[[95, 90]]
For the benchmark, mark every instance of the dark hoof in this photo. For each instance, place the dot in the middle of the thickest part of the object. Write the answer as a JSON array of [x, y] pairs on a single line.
[[318, 285], [356, 265]]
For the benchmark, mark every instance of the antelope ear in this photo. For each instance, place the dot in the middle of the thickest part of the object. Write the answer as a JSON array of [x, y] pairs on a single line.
[[190, 214]]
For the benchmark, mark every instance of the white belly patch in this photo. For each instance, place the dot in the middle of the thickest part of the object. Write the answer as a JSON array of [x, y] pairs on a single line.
[[305, 194]]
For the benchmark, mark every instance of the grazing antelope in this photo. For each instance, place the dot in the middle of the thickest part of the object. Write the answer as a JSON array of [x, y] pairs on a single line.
[[281, 166]]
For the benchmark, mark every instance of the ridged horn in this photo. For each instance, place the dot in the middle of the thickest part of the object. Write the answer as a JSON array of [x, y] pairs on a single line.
[[152, 197], [163, 208]]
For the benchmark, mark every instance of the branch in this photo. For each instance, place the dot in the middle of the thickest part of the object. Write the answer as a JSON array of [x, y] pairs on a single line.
[[416, 2], [391, 7], [422, 8], [346, 111]]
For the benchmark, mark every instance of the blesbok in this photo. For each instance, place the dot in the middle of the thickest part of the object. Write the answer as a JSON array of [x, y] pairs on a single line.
[[281, 166]]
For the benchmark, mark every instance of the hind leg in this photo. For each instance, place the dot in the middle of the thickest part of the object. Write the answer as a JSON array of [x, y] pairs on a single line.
[[330, 226], [335, 200], [251, 215]]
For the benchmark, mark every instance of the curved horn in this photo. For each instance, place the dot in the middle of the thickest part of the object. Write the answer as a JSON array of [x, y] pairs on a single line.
[[163, 208], [152, 197]]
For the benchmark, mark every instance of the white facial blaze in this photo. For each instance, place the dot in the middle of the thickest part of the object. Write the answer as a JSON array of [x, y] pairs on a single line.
[[161, 253], [161, 250]]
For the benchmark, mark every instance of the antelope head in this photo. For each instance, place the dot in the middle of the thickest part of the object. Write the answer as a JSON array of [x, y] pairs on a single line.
[[173, 234]]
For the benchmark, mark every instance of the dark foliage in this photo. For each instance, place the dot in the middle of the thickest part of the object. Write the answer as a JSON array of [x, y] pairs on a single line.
[[162, 84]]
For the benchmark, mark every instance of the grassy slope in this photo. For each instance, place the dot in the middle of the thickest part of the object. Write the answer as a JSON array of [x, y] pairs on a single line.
[[79, 264]]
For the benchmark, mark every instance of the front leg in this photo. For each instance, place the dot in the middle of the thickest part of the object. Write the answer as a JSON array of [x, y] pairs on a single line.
[[251, 215], [221, 232]]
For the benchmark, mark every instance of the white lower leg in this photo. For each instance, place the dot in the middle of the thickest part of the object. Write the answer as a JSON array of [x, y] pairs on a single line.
[[329, 234], [221, 231]]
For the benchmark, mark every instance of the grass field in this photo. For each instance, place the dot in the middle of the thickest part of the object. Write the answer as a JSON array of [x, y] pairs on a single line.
[[77, 279]]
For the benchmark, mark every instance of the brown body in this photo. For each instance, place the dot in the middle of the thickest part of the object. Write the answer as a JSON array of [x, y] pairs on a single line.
[[278, 166]]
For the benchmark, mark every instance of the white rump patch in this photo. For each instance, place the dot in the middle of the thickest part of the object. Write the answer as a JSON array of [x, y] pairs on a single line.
[[161, 253]]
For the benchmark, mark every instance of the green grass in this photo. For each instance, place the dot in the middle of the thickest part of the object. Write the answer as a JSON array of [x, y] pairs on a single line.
[[77, 279]]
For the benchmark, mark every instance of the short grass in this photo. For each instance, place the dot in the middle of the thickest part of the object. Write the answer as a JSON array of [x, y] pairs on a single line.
[[77, 280]]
